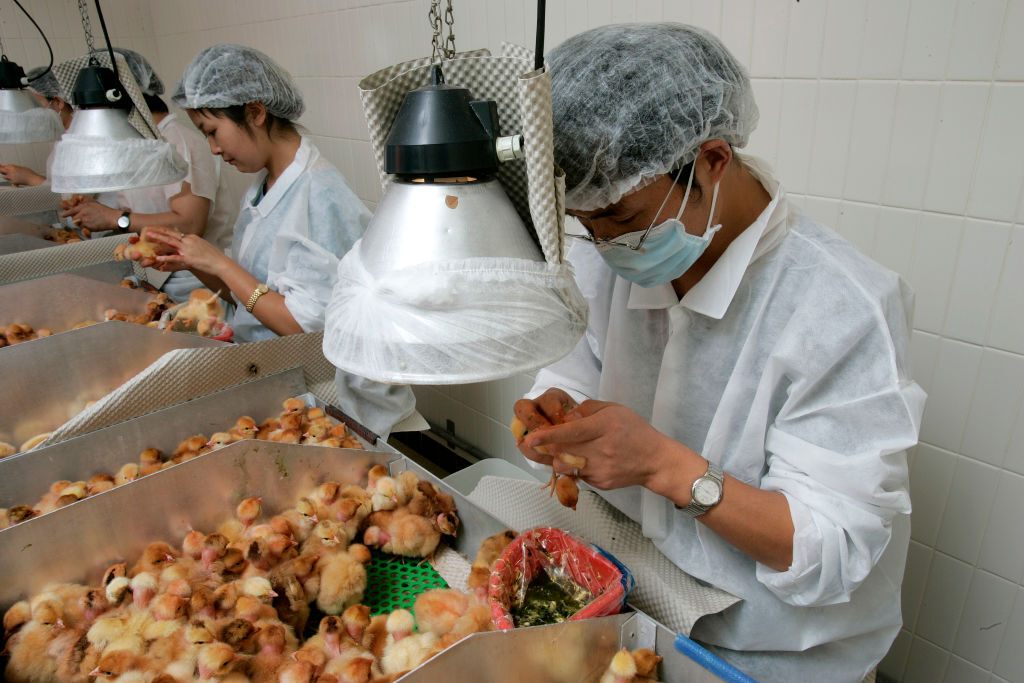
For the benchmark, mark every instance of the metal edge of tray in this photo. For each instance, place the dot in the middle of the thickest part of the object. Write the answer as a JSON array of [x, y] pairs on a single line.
[[108, 271], [578, 651], [18, 225], [25, 477], [61, 301], [49, 381], [77, 542], [16, 244]]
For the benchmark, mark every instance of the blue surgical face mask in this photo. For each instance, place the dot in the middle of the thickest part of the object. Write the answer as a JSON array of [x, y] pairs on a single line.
[[663, 252]]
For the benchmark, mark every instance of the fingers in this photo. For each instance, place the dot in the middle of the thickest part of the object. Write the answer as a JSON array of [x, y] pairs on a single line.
[[536, 456], [554, 404], [586, 409], [529, 414], [574, 432], [167, 238]]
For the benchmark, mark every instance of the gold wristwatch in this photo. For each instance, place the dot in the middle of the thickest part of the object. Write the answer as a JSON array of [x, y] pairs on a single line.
[[260, 290]]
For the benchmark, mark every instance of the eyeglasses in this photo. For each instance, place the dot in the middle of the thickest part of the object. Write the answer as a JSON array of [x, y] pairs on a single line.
[[628, 240]]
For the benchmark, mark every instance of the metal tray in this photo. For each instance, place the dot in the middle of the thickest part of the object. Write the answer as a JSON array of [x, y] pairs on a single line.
[[15, 244], [62, 301], [25, 477], [77, 542], [9, 225], [48, 381], [577, 651]]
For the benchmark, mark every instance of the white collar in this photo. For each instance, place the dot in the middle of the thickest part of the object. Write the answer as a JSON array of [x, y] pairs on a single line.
[[165, 121], [303, 157], [715, 291]]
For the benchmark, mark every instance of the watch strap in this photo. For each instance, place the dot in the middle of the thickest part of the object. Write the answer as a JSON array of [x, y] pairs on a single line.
[[695, 509]]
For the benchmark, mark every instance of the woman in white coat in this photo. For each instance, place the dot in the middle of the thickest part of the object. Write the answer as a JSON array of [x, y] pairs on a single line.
[[296, 220], [743, 382]]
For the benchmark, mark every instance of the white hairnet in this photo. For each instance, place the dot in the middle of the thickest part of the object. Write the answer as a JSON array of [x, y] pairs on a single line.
[[47, 85], [145, 76], [229, 75], [631, 101]]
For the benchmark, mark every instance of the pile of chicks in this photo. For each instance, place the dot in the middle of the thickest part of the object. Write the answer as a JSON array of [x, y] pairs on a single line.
[[297, 423], [638, 666], [15, 333], [233, 604], [62, 236]]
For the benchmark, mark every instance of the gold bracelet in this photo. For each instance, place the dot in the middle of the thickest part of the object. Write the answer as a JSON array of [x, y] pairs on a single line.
[[260, 290]]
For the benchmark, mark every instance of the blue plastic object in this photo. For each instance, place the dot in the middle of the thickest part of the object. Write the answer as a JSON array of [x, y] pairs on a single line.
[[711, 661], [628, 582]]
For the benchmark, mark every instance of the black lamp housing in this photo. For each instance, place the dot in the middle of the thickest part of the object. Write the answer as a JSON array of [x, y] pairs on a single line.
[[12, 76], [97, 86], [441, 132]]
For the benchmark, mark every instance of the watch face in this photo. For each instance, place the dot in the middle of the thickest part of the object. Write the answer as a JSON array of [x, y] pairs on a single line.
[[123, 222], [707, 492]]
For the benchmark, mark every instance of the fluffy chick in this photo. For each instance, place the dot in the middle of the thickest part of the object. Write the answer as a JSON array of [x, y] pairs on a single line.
[[342, 581], [401, 533]]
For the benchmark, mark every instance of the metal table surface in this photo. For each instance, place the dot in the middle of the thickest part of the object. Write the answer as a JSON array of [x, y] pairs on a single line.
[[49, 380]]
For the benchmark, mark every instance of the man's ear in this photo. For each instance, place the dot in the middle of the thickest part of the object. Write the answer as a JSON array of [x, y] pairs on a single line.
[[717, 155]]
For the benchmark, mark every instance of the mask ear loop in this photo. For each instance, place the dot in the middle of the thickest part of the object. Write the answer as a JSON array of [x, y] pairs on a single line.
[[675, 181], [710, 231], [686, 196]]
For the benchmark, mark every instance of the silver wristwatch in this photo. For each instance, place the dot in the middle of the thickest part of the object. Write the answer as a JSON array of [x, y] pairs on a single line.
[[706, 492], [124, 221]]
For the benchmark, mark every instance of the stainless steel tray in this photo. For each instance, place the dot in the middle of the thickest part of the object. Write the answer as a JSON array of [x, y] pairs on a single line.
[[15, 244], [48, 381], [62, 301], [111, 271], [25, 477], [577, 651], [77, 542], [9, 225]]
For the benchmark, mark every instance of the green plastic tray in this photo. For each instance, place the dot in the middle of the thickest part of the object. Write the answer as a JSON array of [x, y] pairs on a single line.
[[393, 582]]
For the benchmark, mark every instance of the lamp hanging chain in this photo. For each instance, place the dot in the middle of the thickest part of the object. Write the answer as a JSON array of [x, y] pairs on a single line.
[[3, 48], [449, 18], [442, 48], [434, 18], [83, 9]]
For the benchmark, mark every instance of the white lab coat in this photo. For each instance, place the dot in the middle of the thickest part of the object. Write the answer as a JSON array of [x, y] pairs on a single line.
[[292, 240], [787, 366], [204, 179]]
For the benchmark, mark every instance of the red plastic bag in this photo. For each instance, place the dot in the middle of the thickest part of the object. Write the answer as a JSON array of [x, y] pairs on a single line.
[[545, 549]]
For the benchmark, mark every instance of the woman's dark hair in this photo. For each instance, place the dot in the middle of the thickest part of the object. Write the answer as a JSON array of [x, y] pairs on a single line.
[[237, 114], [155, 104]]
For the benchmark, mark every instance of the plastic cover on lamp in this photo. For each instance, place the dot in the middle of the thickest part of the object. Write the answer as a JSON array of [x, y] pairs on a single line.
[[31, 125], [89, 164], [453, 322]]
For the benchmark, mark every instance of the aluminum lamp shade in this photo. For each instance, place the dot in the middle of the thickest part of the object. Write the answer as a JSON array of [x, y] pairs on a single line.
[[447, 286], [22, 119], [102, 152]]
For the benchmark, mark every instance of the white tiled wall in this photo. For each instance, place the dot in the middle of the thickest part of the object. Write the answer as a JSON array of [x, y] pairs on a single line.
[[898, 122]]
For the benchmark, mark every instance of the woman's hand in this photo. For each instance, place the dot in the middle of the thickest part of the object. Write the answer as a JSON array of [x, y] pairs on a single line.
[[620, 447], [19, 176], [187, 251], [93, 215]]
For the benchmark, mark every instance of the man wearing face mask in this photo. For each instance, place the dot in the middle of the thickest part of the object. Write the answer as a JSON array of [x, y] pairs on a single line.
[[743, 382]]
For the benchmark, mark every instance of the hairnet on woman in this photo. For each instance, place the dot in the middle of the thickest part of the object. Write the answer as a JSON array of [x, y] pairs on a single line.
[[743, 383], [296, 221]]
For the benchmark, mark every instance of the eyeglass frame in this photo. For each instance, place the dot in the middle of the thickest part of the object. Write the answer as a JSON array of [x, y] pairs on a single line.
[[613, 242]]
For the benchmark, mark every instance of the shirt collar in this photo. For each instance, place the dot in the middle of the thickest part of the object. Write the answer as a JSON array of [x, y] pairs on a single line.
[[303, 155], [716, 290], [164, 122]]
